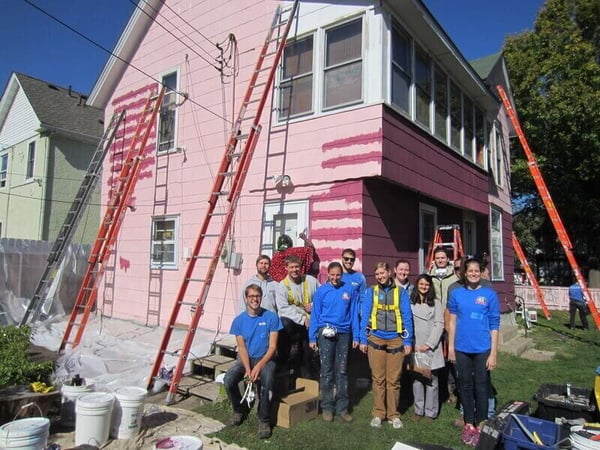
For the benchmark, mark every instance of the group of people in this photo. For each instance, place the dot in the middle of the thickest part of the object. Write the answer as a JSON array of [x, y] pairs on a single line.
[[449, 318]]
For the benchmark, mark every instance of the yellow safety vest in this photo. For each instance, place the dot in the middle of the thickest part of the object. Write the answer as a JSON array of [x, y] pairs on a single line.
[[291, 299], [379, 307]]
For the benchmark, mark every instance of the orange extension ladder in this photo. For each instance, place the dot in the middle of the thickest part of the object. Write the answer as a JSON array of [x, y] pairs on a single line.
[[530, 275], [438, 241], [224, 195], [111, 223], [538, 179]]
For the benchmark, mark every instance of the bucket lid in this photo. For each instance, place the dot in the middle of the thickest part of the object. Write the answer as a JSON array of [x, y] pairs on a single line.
[[24, 427], [179, 443], [131, 393], [95, 400]]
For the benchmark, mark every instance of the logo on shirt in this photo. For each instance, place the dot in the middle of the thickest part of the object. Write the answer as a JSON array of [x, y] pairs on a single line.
[[345, 296], [481, 301], [262, 324]]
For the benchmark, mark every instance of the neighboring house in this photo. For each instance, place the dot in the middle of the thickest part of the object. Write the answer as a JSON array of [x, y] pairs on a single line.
[[382, 127], [47, 137]]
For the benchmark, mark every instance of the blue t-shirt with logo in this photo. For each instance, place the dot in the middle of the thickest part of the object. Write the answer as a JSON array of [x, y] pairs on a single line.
[[256, 330]]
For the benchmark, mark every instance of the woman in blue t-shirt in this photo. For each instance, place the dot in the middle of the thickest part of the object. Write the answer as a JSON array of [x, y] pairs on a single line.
[[473, 345]]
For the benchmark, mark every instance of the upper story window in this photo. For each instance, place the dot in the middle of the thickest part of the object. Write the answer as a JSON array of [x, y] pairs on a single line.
[[3, 170], [343, 65], [468, 127], [422, 86], [496, 157], [440, 103], [164, 242], [30, 161], [296, 87], [167, 122], [401, 69], [455, 116]]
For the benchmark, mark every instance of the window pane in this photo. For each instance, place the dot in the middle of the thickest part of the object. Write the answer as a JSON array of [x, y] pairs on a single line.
[[401, 49], [30, 160], [298, 58], [497, 269], [441, 103], [344, 43], [423, 86], [168, 114], [455, 116], [295, 97], [468, 127], [479, 138], [343, 84], [400, 88]]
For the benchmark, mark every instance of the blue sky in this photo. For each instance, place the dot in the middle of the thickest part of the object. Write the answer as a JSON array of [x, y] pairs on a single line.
[[34, 44]]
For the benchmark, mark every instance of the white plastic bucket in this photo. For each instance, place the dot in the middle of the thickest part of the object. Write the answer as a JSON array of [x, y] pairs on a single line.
[[93, 413], [69, 396], [128, 412], [179, 443], [25, 434]]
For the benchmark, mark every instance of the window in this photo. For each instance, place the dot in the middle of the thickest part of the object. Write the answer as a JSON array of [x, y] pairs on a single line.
[[498, 159], [422, 86], [468, 127], [3, 169], [497, 262], [289, 218], [455, 116], [343, 65], [440, 103], [164, 242], [30, 161], [168, 114], [479, 138], [296, 87], [401, 69], [469, 235], [427, 224]]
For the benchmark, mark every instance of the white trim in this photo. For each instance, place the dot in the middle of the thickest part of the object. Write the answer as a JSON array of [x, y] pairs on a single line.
[[425, 208], [171, 265], [496, 256], [271, 209]]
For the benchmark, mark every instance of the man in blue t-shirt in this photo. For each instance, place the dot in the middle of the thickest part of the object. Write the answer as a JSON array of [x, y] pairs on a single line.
[[256, 331], [577, 303]]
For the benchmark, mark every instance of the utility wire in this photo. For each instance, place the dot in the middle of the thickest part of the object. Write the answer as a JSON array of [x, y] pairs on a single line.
[[100, 46], [189, 24]]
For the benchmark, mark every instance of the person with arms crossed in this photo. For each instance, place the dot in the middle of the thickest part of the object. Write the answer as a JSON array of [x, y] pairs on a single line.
[[265, 281]]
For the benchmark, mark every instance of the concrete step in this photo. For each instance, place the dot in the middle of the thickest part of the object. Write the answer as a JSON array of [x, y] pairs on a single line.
[[212, 365], [226, 346], [517, 345]]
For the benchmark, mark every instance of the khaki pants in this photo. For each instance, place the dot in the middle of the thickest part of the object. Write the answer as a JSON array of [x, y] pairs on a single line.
[[386, 368]]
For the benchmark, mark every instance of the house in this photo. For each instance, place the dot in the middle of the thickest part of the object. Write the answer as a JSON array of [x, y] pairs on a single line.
[[47, 137], [379, 131]]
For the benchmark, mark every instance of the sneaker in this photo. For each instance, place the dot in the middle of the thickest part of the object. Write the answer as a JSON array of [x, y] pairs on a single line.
[[396, 423], [476, 434], [264, 430], [346, 417], [327, 416], [376, 422], [459, 423], [468, 434], [236, 419]]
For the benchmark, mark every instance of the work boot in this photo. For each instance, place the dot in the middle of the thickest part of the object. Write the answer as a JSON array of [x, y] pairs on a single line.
[[236, 419], [264, 430]]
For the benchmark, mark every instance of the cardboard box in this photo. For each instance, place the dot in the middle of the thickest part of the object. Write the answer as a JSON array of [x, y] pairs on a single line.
[[300, 405]]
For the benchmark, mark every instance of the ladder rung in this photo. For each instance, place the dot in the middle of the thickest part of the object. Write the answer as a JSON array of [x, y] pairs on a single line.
[[221, 193], [217, 214], [241, 137], [211, 235], [227, 174], [199, 280], [203, 257], [187, 303]]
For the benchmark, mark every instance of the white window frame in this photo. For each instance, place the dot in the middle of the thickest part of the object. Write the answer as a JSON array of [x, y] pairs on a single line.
[[312, 73], [497, 162], [3, 170], [469, 241], [429, 60], [170, 101], [407, 74], [496, 245], [271, 211], [175, 242], [425, 209], [361, 59], [30, 169]]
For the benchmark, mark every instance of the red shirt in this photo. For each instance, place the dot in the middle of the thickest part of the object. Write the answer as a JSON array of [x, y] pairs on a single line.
[[306, 255]]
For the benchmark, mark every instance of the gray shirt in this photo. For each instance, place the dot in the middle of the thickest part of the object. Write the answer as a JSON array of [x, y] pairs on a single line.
[[294, 312], [268, 287]]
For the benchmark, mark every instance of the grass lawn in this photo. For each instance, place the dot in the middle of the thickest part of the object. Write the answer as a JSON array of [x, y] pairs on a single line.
[[577, 356]]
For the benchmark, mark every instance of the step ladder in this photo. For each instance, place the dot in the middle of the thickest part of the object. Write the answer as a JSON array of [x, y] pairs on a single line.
[[530, 276], [223, 197], [111, 223], [560, 229], [68, 228], [441, 233]]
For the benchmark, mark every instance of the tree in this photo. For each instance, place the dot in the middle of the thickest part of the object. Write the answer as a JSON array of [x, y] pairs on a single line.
[[554, 72]]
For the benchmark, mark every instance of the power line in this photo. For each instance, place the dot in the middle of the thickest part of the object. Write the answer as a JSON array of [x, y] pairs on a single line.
[[100, 46], [189, 24]]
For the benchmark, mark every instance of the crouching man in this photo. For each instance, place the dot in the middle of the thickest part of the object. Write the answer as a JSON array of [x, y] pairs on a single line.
[[256, 331]]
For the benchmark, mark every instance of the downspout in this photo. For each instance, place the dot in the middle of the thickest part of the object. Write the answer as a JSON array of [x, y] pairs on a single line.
[[45, 181]]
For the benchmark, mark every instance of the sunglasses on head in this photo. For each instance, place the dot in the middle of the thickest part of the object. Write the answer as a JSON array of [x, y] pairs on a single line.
[[349, 258]]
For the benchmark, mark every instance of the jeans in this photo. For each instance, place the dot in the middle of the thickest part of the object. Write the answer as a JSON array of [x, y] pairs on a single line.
[[267, 382], [582, 308], [334, 371], [474, 385]]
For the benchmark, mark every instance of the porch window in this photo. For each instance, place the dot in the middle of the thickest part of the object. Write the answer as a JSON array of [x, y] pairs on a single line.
[[164, 242], [30, 161], [455, 116], [498, 157], [401, 69], [168, 114], [440, 103], [296, 87], [343, 65], [3, 169], [468, 125], [422, 86], [479, 138], [497, 258]]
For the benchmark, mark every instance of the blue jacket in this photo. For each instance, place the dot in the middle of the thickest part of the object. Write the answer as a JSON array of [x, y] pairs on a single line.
[[405, 313], [576, 293], [336, 306]]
